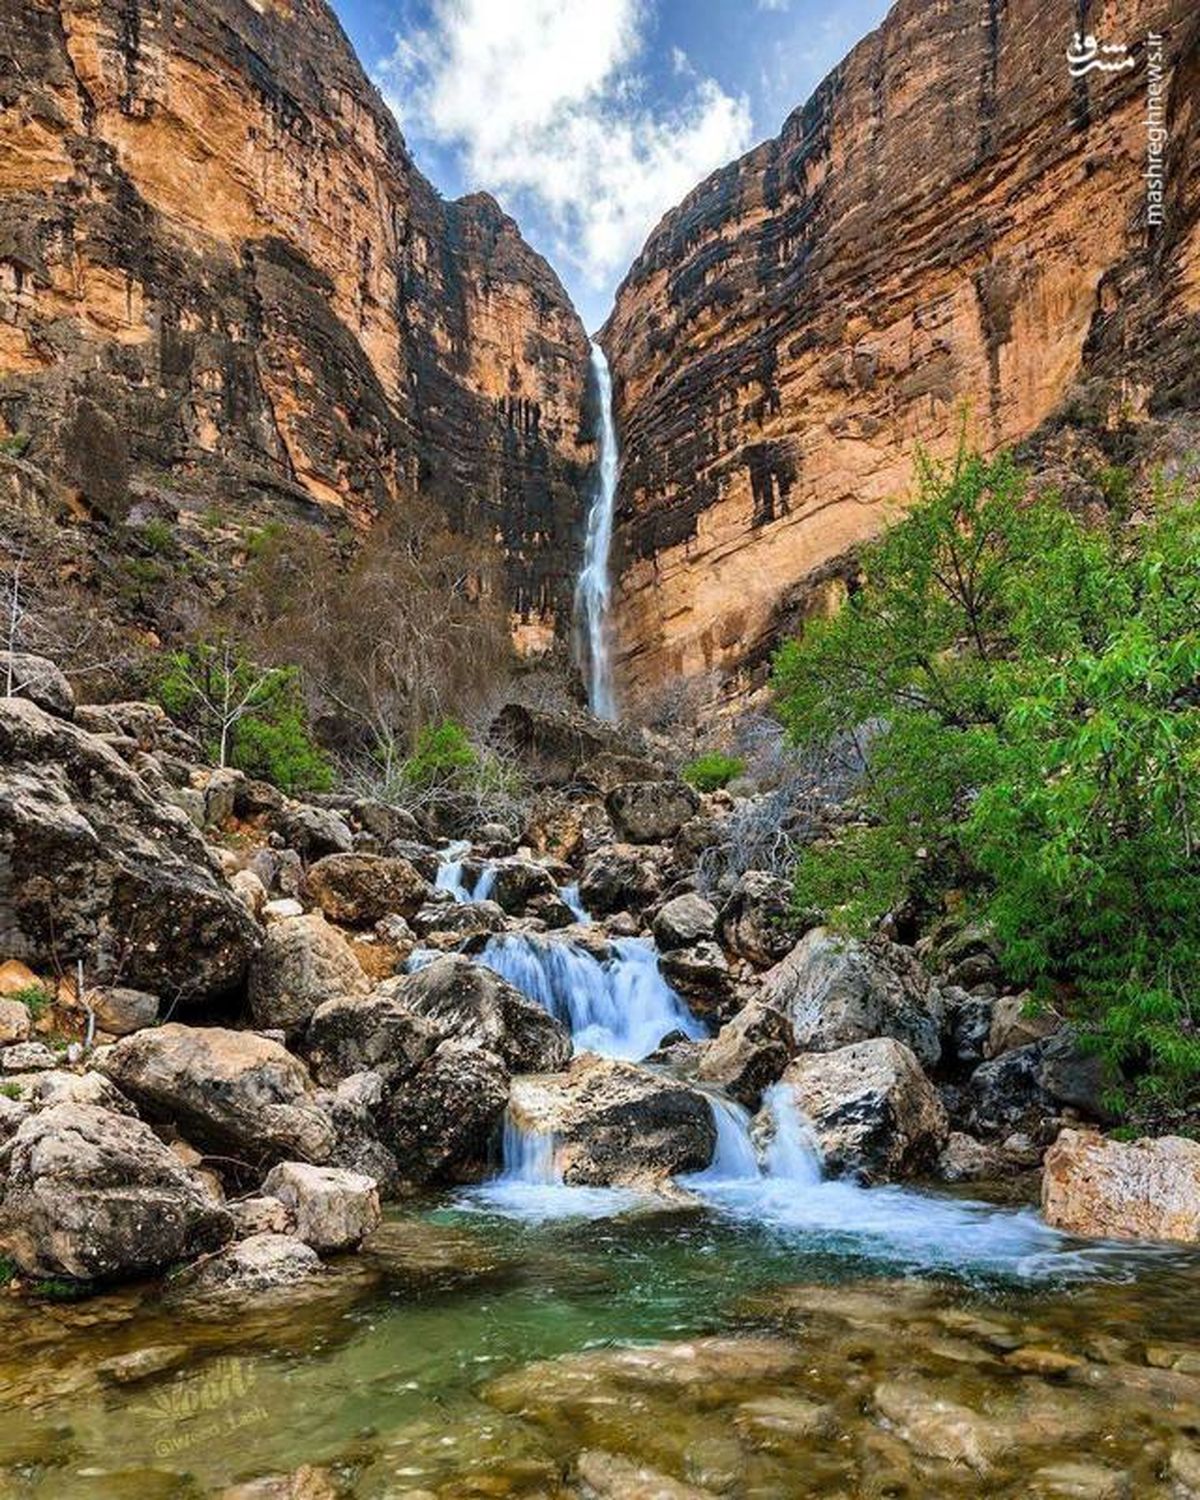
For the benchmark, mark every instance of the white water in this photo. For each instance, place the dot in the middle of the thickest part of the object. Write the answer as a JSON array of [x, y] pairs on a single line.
[[620, 1008], [450, 870], [593, 589]]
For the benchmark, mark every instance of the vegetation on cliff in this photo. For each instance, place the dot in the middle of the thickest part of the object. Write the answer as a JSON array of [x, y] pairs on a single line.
[[1030, 685]]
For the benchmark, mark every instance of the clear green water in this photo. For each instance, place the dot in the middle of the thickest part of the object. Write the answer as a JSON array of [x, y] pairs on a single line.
[[415, 1370]]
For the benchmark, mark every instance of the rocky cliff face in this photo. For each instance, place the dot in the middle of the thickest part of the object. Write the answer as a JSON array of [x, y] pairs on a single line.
[[223, 282], [951, 218]]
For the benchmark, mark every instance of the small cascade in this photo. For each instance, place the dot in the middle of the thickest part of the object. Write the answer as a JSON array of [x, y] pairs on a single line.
[[593, 588], [791, 1154], [450, 870], [529, 1155], [571, 898], [734, 1159], [621, 1007]]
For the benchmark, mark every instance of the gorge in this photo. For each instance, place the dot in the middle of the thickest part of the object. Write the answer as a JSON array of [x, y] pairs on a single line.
[[466, 1028]]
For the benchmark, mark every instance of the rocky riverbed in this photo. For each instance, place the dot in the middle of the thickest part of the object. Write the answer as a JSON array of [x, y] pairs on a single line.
[[236, 1027]]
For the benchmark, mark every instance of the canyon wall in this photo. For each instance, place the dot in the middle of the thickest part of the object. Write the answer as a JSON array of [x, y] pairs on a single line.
[[951, 219], [223, 284]]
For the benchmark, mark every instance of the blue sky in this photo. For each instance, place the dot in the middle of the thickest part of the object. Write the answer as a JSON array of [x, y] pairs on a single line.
[[589, 118]]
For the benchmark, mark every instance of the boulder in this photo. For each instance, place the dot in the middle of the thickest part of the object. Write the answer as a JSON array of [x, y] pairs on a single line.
[[472, 1003], [552, 745], [515, 882], [749, 1053], [120, 1010], [232, 1091], [618, 876], [1075, 1074], [313, 831], [872, 1111], [683, 921], [387, 822], [64, 1087], [964, 1159], [16, 1024], [38, 679], [358, 890], [838, 990], [563, 825], [1006, 1094], [378, 1032], [95, 1196], [27, 1057], [93, 867], [1104, 1189], [966, 1025], [333, 1209], [701, 975], [615, 1122], [651, 812], [1016, 1022], [439, 1121], [611, 769], [445, 924], [758, 921], [351, 1108], [260, 1215], [262, 1263], [302, 963]]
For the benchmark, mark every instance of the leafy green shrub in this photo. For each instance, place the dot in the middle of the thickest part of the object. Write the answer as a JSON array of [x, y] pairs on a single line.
[[8, 1271], [157, 536], [14, 445], [249, 717], [56, 1289], [442, 755], [713, 770], [1032, 685], [36, 998]]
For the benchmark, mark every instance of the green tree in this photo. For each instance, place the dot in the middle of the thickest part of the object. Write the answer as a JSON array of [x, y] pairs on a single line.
[[1029, 686], [247, 716]]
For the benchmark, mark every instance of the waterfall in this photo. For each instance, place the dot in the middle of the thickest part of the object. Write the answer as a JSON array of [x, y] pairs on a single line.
[[529, 1155], [592, 590], [622, 1007], [450, 870]]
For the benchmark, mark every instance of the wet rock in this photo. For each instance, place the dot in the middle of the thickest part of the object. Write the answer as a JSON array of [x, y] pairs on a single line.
[[608, 1476], [964, 1159], [684, 921], [233, 1091], [758, 921], [333, 1209], [1081, 1481], [439, 1120], [96, 868], [121, 1011], [472, 1003], [302, 963], [939, 1428], [651, 812], [616, 1123], [701, 975], [620, 875], [967, 1025], [1105, 1189], [261, 1263], [516, 882], [143, 1364], [837, 991], [377, 1032], [1017, 1022], [313, 831], [781, 1421], [93, 1195], [358, 890], [38, 679], [749, 1053], [871, 1108], [1006, 1094], [457, 920]]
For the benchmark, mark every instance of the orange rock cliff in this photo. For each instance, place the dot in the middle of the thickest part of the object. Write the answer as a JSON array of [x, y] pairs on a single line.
[[223, 281], [951, 219]]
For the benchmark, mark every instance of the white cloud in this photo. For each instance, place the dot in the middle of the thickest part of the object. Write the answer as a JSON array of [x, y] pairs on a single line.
[[774, 4], [543, 102]]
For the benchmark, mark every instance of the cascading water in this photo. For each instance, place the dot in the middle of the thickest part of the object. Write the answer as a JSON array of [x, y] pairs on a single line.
[[621, 1007], [592, 590]]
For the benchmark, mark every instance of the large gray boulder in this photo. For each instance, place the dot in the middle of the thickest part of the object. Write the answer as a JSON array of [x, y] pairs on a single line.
[[872, 1110], [262, 1263], [439, 1121], [358, 890], [93, 867], [472, 1003], [615, 1122], [685, 920], [622, 877], [313, 831], [332, 1209], [302, 963], [836, 991], [234, 1092], [94, 1195], [651, 812], [1104, 1189], [515, 882], [376, 1032], [749, 1053]]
